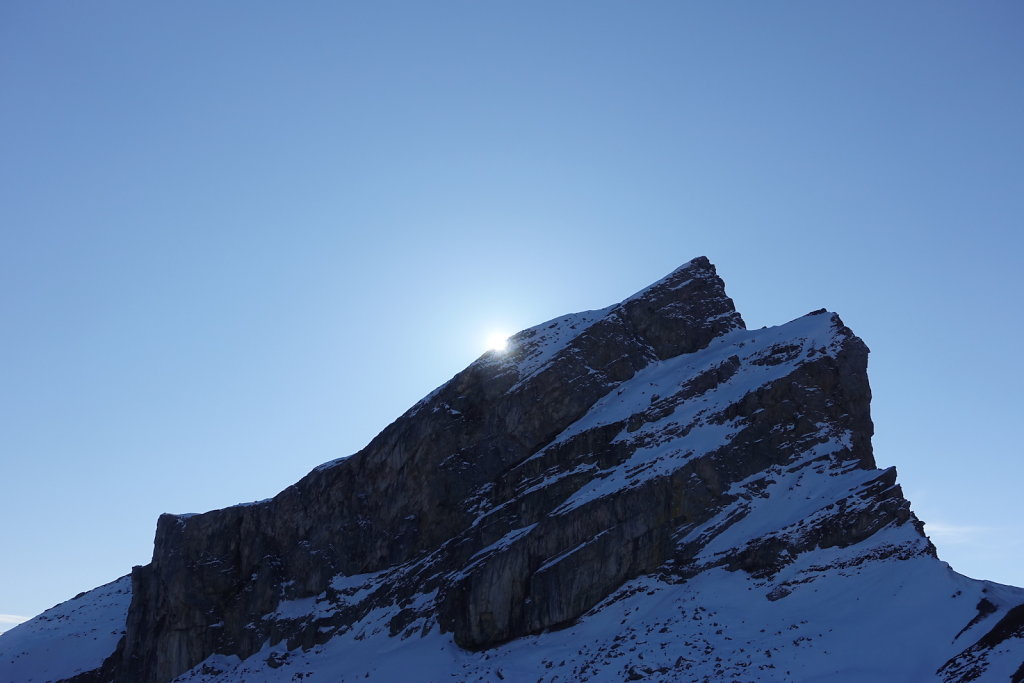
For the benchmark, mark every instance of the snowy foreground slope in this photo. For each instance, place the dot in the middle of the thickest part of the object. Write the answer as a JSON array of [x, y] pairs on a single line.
[[72, 638], [645, 492], [861, 623]]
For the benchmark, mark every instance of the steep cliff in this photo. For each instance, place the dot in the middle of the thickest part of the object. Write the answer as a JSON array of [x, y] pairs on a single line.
[[616, 474]]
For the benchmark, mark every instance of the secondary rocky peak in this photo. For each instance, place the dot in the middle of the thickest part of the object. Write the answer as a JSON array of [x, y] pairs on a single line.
[[684, 311]]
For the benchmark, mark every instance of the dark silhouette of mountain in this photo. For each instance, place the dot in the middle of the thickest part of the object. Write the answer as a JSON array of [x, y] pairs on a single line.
[[645, 492]]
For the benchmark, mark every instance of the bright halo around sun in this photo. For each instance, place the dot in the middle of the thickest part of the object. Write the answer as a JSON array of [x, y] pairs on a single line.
[[497, 341]]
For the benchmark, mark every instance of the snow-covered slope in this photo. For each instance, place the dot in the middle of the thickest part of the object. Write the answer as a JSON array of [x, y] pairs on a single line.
[[72, 638], [875, 621], [644, 492]]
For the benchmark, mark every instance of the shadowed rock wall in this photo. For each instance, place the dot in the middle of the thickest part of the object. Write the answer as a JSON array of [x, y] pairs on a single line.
[[520, 494]]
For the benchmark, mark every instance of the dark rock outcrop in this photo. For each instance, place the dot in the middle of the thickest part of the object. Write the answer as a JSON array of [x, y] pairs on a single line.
[[215, 575]]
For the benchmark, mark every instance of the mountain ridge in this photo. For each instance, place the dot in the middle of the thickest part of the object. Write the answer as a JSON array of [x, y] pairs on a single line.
[[655, 442]]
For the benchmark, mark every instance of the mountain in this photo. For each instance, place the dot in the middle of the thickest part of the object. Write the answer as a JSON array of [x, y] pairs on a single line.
[[645, 492]]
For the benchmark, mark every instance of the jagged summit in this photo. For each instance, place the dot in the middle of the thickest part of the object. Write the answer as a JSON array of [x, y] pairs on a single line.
[[646, 491], [680, 313]]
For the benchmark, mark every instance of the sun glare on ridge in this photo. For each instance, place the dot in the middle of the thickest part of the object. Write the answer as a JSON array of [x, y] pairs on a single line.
[[497, 341]]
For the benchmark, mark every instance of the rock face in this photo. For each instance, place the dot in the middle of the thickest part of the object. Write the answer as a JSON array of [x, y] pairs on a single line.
[[425, 484], [656, 440]]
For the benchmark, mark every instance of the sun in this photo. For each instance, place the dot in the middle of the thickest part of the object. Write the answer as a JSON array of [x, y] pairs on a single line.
[[497, 341]]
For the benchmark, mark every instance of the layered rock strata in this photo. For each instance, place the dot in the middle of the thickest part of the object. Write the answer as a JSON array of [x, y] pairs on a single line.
[[654, 438]]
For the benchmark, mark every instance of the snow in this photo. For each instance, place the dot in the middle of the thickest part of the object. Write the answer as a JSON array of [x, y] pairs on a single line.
[[661, 379], [349, 590], [555, 560], [793, 498], [502, 543], [847, 626], [71, 638], [535, 348]]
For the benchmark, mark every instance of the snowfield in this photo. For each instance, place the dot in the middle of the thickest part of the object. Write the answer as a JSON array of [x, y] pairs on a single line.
[[847, 624], [71, 638]]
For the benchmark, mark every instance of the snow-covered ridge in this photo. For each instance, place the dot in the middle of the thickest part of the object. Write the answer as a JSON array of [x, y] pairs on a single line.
[[763, 356], [660, 395], [534, 348]]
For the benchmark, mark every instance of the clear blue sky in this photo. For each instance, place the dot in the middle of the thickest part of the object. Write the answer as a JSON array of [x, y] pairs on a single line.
[[238, 239]]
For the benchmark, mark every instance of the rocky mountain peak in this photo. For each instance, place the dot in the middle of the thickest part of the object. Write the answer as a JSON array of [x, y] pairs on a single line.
[[683, 311], [625, 473]]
